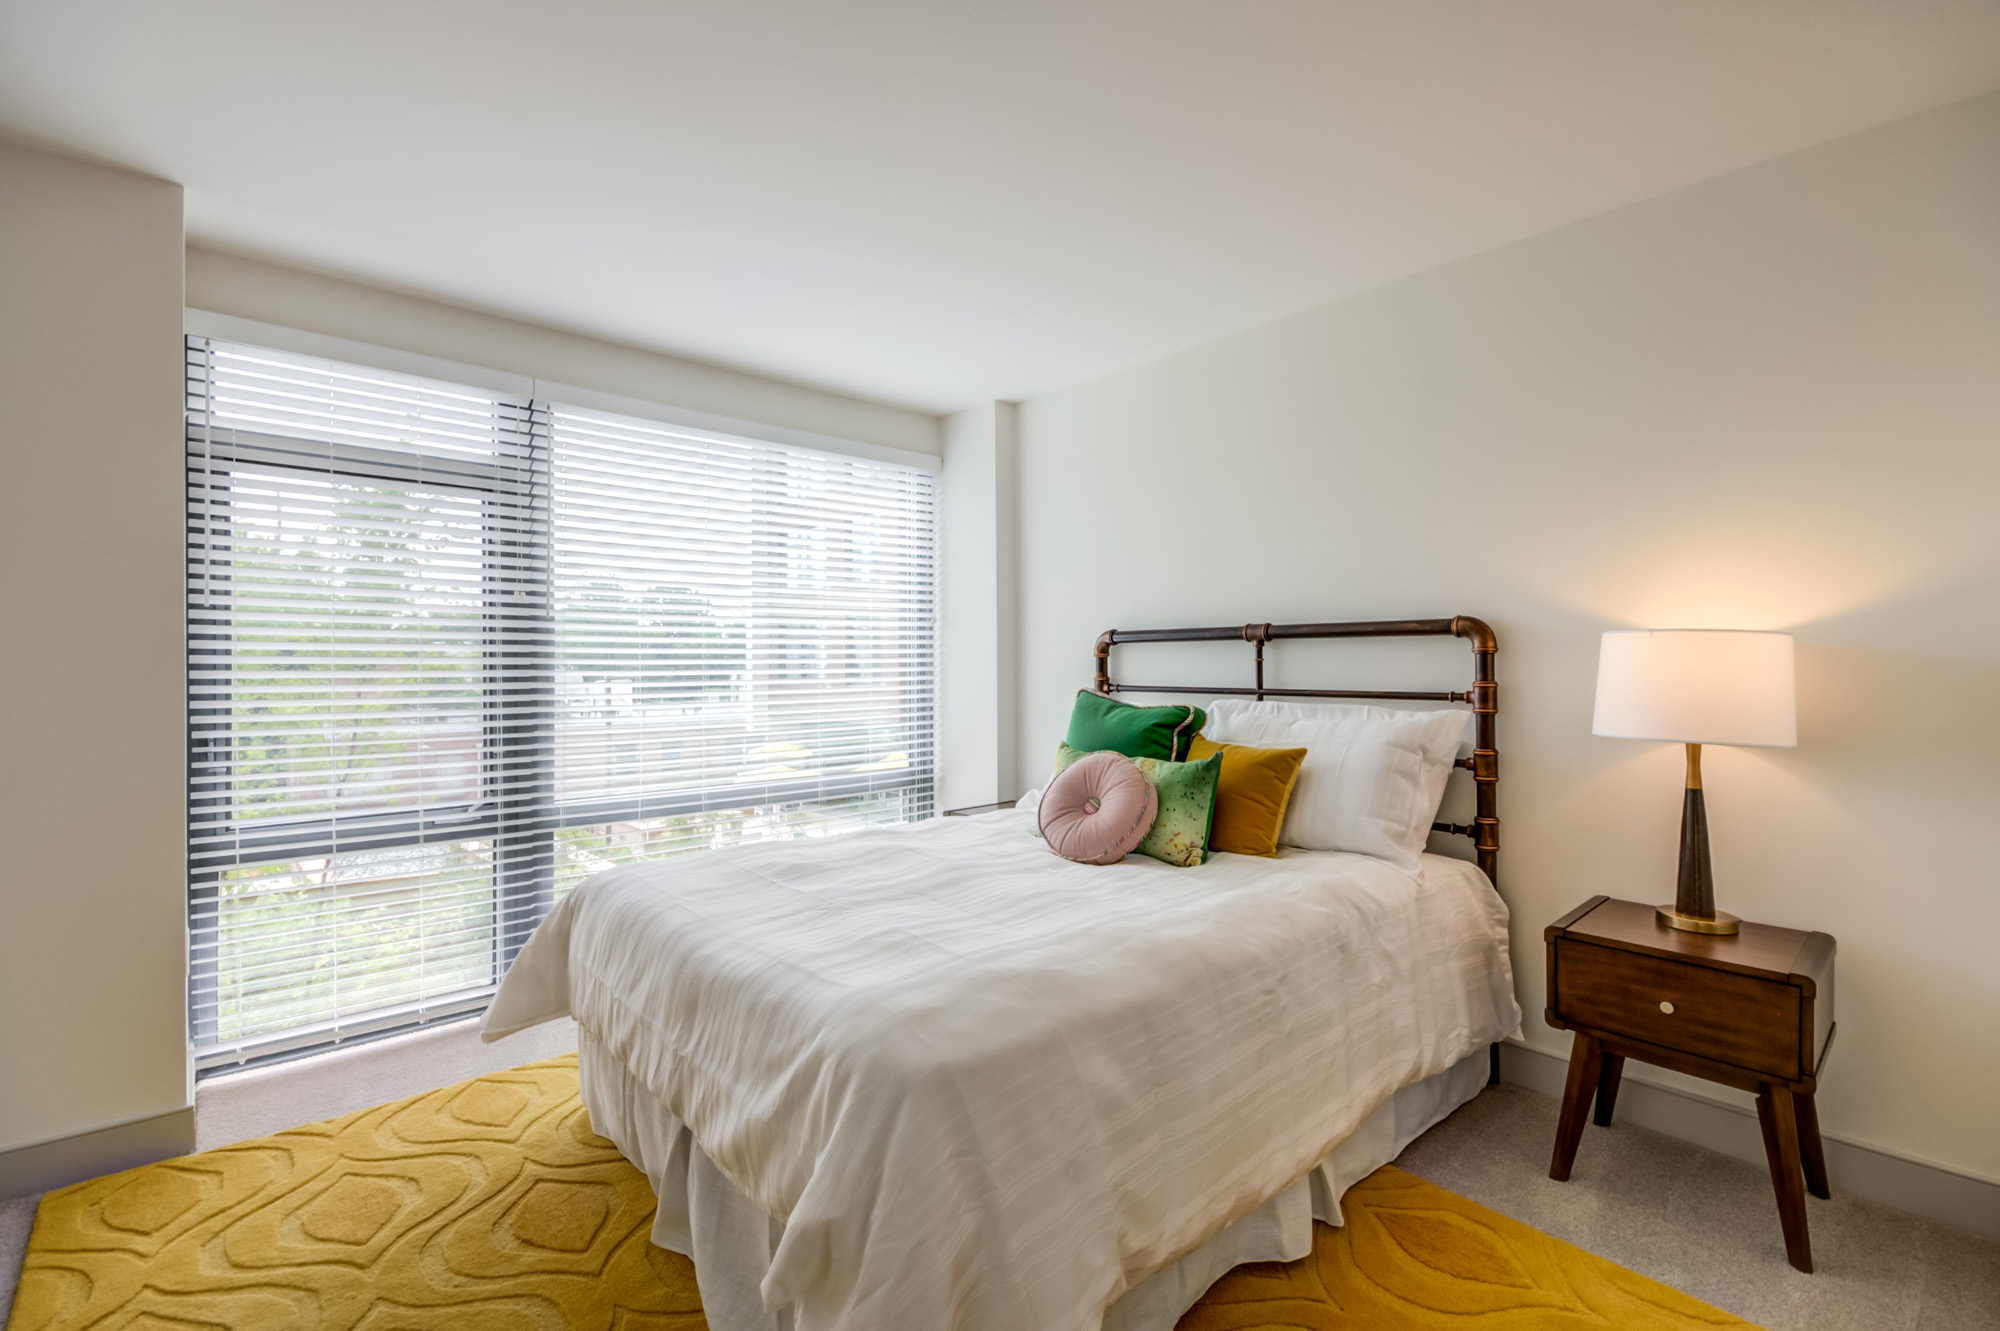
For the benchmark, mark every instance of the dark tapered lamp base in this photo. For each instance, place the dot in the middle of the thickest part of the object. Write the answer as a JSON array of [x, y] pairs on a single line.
[[1694, 894]]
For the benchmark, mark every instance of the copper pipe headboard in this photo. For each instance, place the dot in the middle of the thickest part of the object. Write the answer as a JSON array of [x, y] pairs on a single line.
[[1484, 695]]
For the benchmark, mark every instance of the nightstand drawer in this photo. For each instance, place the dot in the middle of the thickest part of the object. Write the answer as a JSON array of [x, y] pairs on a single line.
[[1711, 1013]]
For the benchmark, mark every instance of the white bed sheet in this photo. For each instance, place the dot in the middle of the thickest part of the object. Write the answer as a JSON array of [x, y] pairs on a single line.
[[706, 1218], [979, 1088]]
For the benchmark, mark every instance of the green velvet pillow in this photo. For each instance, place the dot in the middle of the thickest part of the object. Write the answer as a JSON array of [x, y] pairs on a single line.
[[1187, 805], [1098, 722]]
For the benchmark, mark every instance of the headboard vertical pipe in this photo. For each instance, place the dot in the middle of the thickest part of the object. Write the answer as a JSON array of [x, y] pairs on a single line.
[[1258, 635], [1485, 748]]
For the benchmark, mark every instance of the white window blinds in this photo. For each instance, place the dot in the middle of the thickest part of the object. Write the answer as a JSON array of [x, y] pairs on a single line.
[[740, 628], [449, 651]]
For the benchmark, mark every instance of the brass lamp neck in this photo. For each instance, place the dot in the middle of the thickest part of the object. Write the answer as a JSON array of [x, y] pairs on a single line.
[[1694, 767]]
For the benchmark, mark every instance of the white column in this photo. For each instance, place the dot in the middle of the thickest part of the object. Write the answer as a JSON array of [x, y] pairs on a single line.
[[93, 958], [976, 608]]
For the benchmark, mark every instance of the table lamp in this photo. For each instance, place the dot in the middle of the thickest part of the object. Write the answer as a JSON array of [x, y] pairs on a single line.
[[1696, 687]]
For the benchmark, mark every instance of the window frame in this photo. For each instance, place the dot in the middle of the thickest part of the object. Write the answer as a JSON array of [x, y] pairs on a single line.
[[523, 849]]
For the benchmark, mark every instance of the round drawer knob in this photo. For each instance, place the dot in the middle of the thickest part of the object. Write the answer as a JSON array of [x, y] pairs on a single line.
[[1667, 1008]]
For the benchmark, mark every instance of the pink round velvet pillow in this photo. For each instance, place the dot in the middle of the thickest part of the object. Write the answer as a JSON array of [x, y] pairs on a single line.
[[1098, 809]]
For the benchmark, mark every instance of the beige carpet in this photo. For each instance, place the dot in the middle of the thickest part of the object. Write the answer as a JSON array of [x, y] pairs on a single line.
[[1706, 1223], [491, 1204]]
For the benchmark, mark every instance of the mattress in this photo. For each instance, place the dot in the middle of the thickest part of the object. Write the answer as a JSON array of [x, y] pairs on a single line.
[[968, 1086]]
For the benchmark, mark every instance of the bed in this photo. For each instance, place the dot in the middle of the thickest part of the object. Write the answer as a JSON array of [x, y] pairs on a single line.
[[934, 1077]]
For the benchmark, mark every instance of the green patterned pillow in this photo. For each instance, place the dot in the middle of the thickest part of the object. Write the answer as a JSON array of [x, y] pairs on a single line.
[[1187, 805]]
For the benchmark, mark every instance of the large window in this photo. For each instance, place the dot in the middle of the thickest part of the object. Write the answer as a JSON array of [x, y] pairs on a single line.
[[450, 651]]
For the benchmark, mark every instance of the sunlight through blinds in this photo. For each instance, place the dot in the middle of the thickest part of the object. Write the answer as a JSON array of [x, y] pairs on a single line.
[[738, 626], [451, 651]]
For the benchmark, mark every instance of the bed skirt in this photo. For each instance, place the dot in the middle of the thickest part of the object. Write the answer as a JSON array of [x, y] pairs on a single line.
[[707, 1218]]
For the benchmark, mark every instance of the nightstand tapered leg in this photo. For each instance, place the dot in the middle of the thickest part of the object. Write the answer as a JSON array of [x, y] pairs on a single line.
[[1607, 1088], [1586, 1065], [1812, 1153], [1778, 1116]]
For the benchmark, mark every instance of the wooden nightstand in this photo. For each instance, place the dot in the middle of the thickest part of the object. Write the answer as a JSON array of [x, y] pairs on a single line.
[[1752, 1010], [971, 809]]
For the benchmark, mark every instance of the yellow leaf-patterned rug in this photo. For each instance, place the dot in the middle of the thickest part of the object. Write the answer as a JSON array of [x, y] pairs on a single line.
[[490, 1205], [1412, 1255]]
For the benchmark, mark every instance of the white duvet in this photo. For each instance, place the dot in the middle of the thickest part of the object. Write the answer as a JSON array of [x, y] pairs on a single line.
[[986, 1089]]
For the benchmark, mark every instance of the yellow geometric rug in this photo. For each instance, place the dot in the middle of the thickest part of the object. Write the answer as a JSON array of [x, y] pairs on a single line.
[[491, 1206], [1413, 1255]]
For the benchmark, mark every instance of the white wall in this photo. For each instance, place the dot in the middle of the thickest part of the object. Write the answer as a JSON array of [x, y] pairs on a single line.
[[1770, 400], [93, 956], [976, 653], [248, 289]]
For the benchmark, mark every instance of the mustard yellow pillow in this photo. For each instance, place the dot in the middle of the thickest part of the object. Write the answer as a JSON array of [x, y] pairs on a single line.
[[1251, 795]]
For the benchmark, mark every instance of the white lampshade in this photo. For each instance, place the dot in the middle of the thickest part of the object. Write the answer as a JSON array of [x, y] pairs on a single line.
[[1697, 686]]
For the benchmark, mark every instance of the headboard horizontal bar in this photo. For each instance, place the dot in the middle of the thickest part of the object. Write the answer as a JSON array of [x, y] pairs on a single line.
[[1291, 693], [1373, 628]]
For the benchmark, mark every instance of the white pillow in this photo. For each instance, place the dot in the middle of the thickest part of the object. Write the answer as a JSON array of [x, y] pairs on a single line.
[[1372, 779]]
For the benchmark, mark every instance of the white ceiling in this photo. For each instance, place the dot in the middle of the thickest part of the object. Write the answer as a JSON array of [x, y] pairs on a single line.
[[939, 203]]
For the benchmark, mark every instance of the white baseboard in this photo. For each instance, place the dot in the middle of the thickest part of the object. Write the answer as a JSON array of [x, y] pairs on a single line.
[[67, 1160], [1858, 1171]]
